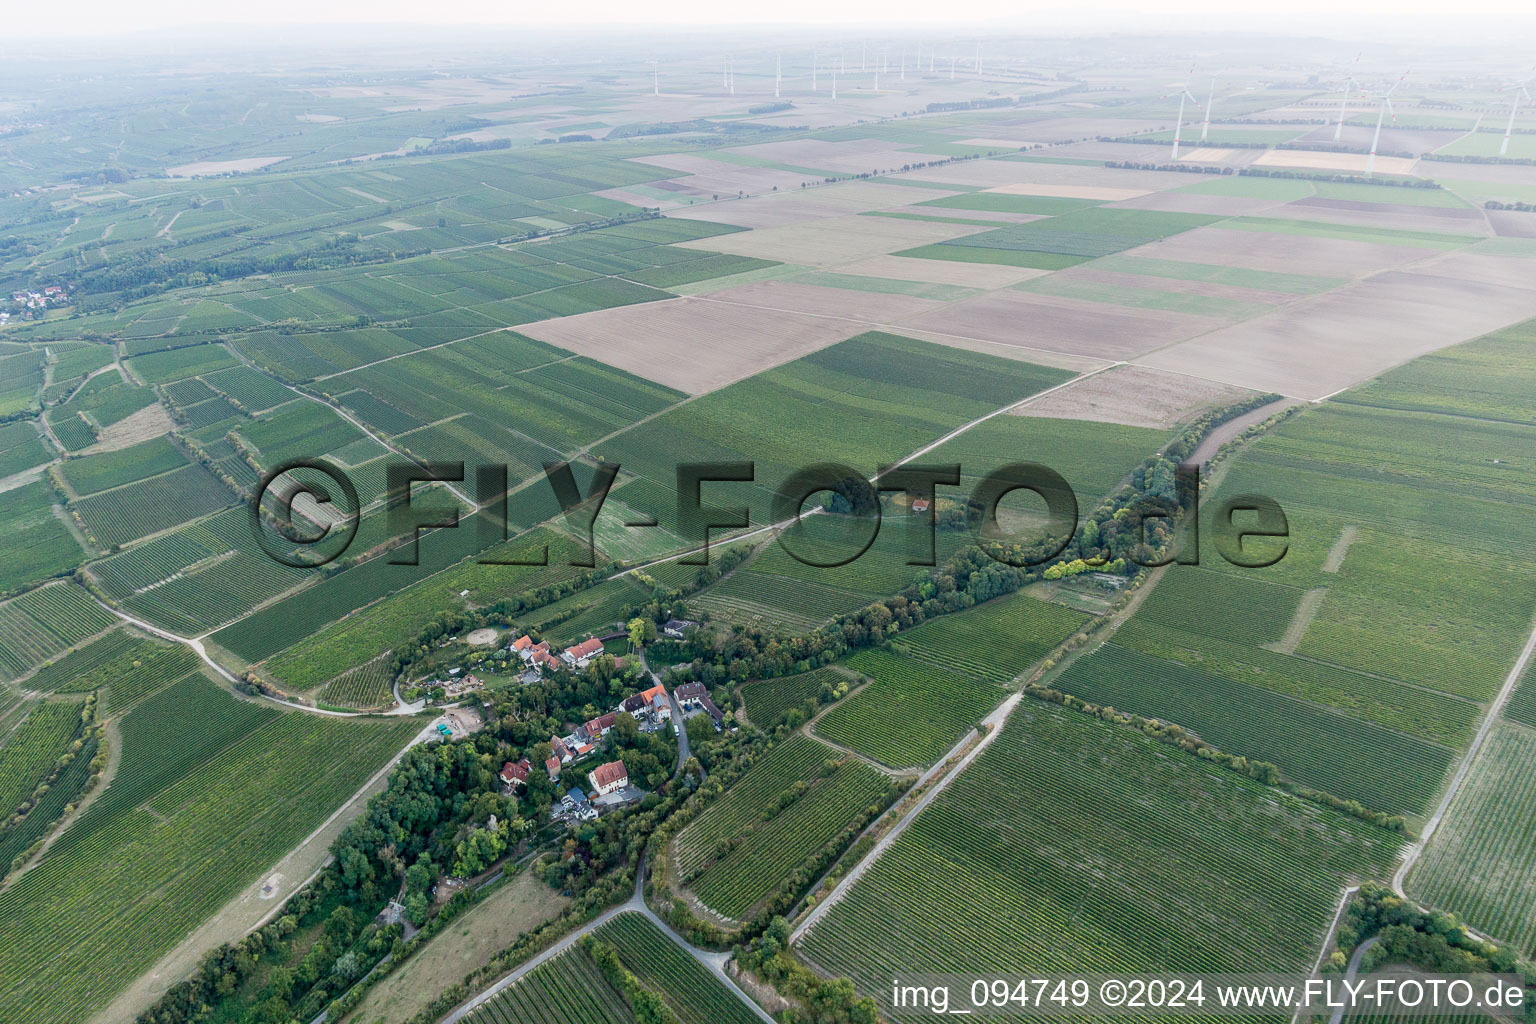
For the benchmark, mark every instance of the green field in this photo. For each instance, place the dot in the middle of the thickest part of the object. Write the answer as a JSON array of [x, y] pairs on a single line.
[[1073, 845], [367, 686], [666, 969], [30, 753], [795, 801], [211, 791], [1480, 863], [1064, 240], [911, 714], [37, 544], [567, 987]]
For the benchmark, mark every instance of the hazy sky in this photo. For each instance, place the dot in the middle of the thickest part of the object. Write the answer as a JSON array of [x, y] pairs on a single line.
[[1298, 16]]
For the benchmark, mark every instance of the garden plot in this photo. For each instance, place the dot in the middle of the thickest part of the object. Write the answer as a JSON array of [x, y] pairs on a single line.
[[832, 240], [694, 345], [841, 303], [1063, 325], [1321, 345], [1135, 396]]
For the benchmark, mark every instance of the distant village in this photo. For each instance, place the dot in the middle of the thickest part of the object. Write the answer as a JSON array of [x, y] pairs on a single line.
[[33, 305]]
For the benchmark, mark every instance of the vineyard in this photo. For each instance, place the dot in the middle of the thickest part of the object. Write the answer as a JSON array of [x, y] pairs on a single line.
[[49, 807], [149, 506], [996, 641], [911, 714], [124, 662], [30, 752], [211, 791], [367, 686], [796, 800], [36, 544], [211, 595], [1073, 845], [1324, 749], [770, 700], [89, 474], [43, 622], [662, 966], [1481, 863], [568, 987]]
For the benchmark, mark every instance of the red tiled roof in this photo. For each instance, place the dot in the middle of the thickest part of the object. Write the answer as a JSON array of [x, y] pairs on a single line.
[[522, 643], [585, 649], [553, 767], [608, 774]]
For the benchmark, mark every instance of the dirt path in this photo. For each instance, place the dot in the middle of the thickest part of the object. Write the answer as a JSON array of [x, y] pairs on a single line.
[[1335, 560], [1412, 853], [1306, 611], [254, 906], [714, 962], [1236, 425]]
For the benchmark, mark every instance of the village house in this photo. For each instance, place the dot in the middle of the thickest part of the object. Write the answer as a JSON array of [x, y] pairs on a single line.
[[920, 505], [649, 707], [574, 804], [678, 628], [581, 655], [608, 778], [513, 775], [560, 750], [598, 727], [695, 696], [552, 766]]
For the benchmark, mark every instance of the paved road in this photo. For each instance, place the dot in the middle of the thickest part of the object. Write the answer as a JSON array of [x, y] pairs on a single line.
[[1354, 968]]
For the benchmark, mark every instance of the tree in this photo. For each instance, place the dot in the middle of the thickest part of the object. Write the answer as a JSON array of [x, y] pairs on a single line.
[[642, 631], [700, 730], [625, 729]]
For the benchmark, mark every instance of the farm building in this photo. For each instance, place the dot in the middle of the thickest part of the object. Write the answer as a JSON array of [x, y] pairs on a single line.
[[598, 727], [608, 778], [582, 654]]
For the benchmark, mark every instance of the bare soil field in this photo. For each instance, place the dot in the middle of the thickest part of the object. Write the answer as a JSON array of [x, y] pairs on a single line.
[[518, 906], [1023, 353], [1476, 267], [833, 239], [1393, 140], [967, 275], [1348, 163], [1091, 273], [1287, 254], [254, 163], [1188, 202], [1396, 216], [1322, 345], [1512, 223], [780, 209], [725, 178], [1136, 396], [1102, 193], [1065, 129], [150, 421], [853, 157], [871, 307], [1063, 325], [693, 344], [999, 173]]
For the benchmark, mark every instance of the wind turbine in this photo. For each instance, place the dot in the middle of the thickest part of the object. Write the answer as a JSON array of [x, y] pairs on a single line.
[[1205, 129], [951, 69], [1381, 113], [655, 77], [1520, 90], [978, 57], [1178, 125], [778, 74], [815, 57], [903, 65], [1349, 82]]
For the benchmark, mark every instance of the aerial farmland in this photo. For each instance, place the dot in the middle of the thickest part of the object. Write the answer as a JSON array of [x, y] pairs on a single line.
[[799, 524]]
